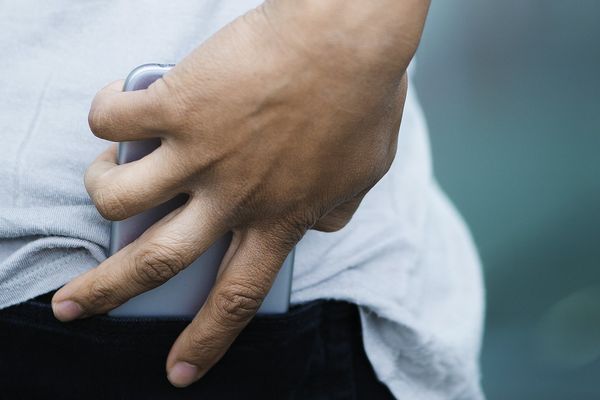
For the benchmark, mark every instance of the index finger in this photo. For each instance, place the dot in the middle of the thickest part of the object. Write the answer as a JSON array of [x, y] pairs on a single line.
[[161, 252]]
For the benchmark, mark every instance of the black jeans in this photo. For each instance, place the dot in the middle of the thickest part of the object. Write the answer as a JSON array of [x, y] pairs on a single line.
[[313, 352]]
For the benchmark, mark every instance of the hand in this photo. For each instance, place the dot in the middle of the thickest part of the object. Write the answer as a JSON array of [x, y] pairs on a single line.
[[274, 126]]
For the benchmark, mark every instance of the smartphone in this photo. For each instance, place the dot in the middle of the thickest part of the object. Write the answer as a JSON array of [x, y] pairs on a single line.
[[184, 294]]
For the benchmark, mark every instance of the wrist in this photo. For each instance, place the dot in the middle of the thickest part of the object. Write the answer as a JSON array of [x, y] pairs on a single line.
[[381, 34]]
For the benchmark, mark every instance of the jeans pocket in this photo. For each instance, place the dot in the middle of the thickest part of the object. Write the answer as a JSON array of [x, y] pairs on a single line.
[[276, 357]]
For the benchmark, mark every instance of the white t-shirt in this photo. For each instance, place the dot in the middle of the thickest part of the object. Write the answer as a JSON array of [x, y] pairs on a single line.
[[405, 258]]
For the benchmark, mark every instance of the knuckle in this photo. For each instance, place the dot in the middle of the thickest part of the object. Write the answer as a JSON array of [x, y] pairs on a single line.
[[98, 120], [101, 293], [201, 342], [158, 263], [90, 181], [172, 112], [288, 231], [237, 303], [109, 203]]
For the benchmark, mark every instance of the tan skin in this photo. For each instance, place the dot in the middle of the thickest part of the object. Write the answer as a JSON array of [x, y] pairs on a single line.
[[279, 123]]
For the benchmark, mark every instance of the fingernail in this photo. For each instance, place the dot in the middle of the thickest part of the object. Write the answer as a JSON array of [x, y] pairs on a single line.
[[182, 374], [67, 310]]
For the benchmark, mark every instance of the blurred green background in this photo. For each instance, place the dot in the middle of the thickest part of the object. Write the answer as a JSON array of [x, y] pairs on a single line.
[[511, 91]]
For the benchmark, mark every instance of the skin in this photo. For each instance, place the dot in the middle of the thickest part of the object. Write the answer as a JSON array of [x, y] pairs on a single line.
[[279, 123]]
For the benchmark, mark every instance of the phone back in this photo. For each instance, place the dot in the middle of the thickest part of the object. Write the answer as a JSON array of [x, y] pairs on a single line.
[[184, 294]]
